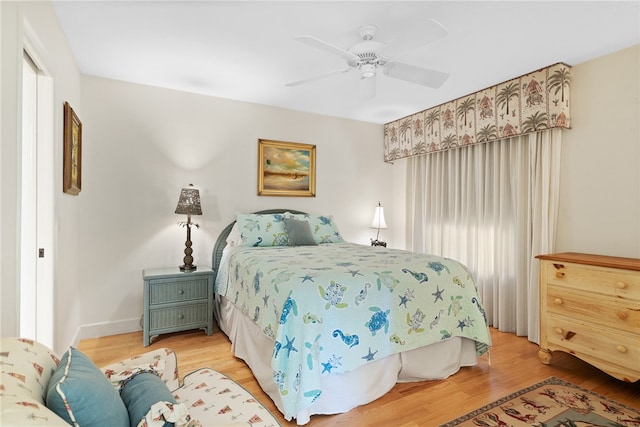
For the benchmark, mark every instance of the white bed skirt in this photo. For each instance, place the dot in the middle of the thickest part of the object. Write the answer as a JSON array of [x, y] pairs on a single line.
[[343, 392]]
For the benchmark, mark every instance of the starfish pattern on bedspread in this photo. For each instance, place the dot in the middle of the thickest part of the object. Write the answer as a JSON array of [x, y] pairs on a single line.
[[360, 304]]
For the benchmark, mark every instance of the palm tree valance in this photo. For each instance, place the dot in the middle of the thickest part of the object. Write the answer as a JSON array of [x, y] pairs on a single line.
[[529, 103]]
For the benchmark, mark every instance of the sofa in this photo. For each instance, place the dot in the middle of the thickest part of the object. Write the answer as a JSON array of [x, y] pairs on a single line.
[[40, 388]]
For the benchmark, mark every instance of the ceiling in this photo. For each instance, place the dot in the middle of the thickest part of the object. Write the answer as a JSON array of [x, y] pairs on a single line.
[[245, 50]]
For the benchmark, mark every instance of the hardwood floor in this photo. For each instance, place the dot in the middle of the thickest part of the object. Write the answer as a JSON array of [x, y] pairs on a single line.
[[513, 365]]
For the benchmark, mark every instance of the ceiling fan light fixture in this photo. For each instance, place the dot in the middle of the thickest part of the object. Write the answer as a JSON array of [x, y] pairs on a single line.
[[367, 70], [367, 32]]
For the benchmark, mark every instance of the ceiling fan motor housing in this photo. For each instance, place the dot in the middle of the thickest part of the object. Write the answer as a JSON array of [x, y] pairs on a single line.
[[366, 51]]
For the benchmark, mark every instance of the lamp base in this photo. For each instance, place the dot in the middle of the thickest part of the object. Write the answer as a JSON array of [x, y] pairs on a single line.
[[188, 250], [378, 243]]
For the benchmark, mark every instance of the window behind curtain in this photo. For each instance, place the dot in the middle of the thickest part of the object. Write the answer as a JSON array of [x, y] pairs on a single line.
[[492, 207]]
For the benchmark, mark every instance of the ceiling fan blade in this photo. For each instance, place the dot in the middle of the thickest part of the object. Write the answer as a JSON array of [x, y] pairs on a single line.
[[413, 74], [322, 76], [368, 87], [327, 47], [428, 32]]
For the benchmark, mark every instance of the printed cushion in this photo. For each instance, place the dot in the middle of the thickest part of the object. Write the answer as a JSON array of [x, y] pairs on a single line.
[[27, 367], [323, 227], [140, 392], [298, 232], [162, 361], [81, 395], [262, 229], [214, 399]]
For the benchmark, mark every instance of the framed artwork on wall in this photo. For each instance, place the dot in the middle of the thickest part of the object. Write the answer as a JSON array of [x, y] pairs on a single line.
[[72, 163], [286, 169]]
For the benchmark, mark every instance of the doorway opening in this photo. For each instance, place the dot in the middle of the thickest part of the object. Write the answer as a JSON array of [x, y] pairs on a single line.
[[36, 208]]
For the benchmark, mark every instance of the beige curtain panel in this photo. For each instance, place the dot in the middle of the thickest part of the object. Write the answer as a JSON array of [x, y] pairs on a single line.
[[493, 207]]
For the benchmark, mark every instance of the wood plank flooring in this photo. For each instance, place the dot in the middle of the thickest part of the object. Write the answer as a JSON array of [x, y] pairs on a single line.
[[513, 365]]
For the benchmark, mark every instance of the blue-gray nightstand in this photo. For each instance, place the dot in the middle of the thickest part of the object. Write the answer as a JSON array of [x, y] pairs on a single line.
[[177, 301]]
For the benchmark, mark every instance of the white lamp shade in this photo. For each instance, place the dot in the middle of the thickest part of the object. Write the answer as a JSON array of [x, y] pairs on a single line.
[[378, 218]]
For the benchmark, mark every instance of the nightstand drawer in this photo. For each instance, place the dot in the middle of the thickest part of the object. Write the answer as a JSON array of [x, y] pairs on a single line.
[[163, 291], [178, 316]]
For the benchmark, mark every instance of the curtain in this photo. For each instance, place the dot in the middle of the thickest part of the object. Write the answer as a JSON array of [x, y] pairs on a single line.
[[493, 207]]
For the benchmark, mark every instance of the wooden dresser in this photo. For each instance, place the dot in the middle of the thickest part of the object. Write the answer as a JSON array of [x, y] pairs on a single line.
[[590, 307]]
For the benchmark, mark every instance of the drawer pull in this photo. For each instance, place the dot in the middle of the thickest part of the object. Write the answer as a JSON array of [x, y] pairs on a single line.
[[180, 316], [559, 331], [181, 292], [559, 274], [622, 315], [558, 301], [621, 285], [621, 349]]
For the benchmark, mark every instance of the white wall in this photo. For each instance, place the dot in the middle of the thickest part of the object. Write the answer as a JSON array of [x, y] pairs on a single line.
[[600, 181], [35, 24], [142, 144]]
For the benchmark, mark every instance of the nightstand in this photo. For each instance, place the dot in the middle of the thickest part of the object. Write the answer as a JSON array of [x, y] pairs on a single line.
[[177, 301]]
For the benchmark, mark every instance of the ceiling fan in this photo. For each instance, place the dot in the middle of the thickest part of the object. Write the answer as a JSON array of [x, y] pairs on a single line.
[[369, 55]]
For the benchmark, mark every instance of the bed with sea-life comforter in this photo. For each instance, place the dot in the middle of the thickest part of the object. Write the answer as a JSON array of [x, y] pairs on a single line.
[[327, 325]]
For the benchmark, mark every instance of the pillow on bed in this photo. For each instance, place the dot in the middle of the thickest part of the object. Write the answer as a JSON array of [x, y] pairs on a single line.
[[323, 227], [234, 238], [298, 232], [262, 229]]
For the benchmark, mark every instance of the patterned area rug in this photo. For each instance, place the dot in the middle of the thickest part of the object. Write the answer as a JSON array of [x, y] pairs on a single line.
[[551, 403]]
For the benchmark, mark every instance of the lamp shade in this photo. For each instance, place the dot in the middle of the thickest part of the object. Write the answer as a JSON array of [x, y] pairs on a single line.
[[378, 218], [189, 202]]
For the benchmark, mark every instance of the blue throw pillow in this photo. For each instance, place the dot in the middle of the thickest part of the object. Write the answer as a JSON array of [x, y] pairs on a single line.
[[141, 392], [298, 232], [79, 393]]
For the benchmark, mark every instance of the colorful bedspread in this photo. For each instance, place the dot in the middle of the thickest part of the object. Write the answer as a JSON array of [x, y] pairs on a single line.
[[334, 307]]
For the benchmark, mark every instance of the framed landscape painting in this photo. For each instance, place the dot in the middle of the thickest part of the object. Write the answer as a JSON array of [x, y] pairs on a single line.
[[286, 169]]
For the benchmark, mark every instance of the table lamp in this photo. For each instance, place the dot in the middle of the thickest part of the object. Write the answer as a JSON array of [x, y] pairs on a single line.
[[188, 204], [378, 222]]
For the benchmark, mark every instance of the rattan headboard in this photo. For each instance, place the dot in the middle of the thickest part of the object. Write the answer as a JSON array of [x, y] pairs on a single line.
[[222, 239]]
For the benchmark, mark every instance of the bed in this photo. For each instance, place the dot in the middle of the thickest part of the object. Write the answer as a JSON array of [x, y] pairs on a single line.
[[327, 325]]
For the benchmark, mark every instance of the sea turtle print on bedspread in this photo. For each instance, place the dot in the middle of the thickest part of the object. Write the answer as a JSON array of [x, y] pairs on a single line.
[[334, 307]]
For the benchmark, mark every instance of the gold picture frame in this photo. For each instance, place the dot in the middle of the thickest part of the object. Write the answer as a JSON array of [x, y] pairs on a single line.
[[72, 163], [286, 169]]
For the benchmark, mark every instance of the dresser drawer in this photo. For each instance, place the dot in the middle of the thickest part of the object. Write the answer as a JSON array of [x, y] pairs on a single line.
[[588, 342], [163, 291], [600, 280], [610, 311], [178, 316]]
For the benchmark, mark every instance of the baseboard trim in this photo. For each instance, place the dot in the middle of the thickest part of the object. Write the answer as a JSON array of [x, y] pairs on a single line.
[[103, 329]]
